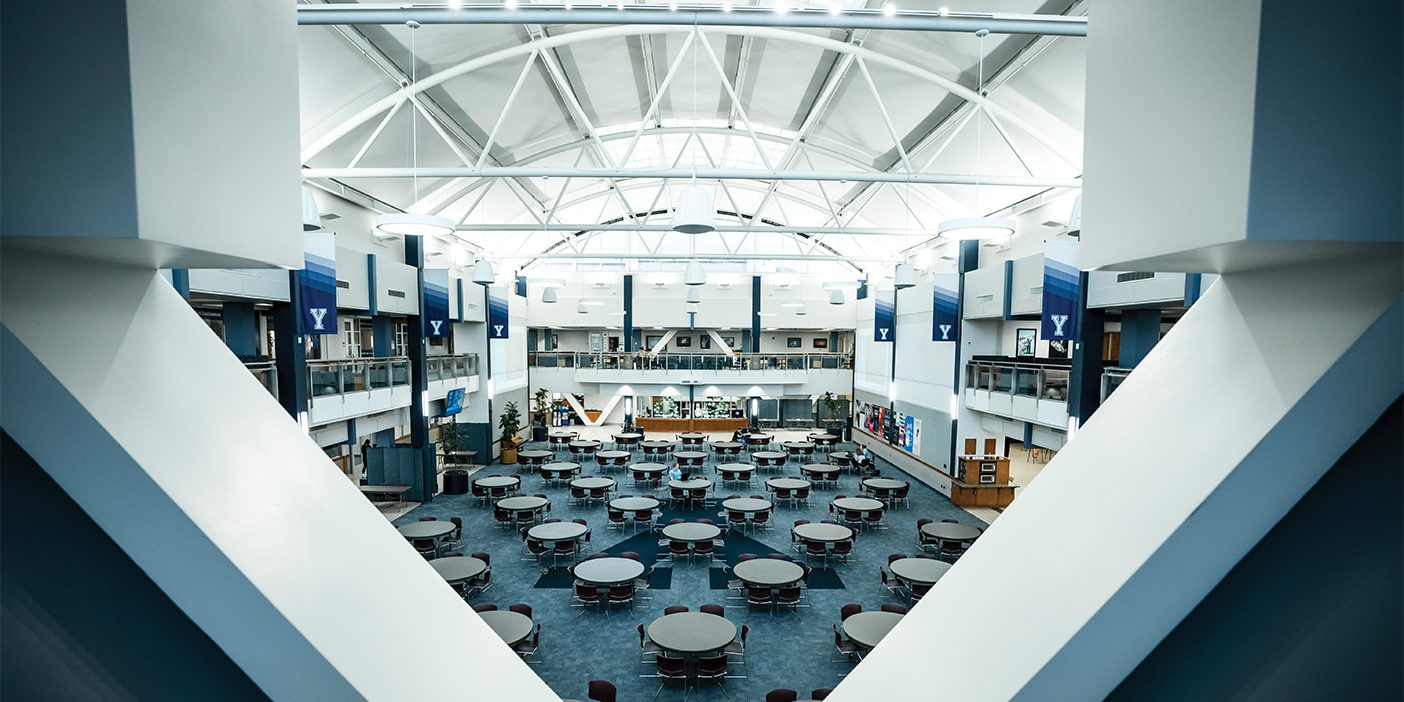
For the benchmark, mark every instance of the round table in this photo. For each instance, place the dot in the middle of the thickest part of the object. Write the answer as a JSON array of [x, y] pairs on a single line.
[[883, 484], [458, 568], [758, 438], [822, 437], [628, 436], [818, 468], [820, 532], [534, 456], [557, 531], [841, 455], [608, 571], [768, 572], [500, 481], [726, 445], [867, 628], [691, 632], [561, 469], [512, 627], [695, 456], [610, 455], [648, 467], [426, 530], [585, 444], [692, 437], [788, 484], [746, 504], [858, 504], [634, 504], [522, 503], [768, 456], [950, 532], [736, 467], [563, 434], [592, 483], [655, 445], [923, 571], [467, 456], [799, 445], [691, 531], [693, 484]]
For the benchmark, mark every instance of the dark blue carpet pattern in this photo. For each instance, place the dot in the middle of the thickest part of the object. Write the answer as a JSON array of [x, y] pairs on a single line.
[[785, 649]]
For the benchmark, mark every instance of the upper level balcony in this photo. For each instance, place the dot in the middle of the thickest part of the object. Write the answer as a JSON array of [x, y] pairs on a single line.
[[354, 387], [1031, 390], [704, 369]]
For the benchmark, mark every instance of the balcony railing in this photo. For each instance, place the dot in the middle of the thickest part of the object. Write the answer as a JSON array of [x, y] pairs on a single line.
[[690, 361], [360, 374], [267, 373], [1018, 379], [1111, 380]]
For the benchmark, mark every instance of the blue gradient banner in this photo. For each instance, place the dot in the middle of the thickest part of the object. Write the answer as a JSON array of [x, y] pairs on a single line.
[[317, 283], [435, 305], [945, 308], [498, 316], [884, 316], [1061, 279]]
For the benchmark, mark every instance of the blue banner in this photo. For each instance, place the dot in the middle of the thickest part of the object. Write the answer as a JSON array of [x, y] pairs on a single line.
[[884, 315], [945, 307], [435, 303], [1061, 279], [498, 316], [317, 283]]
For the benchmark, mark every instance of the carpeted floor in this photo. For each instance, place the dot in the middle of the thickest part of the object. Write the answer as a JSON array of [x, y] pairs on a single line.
[[785, 649]]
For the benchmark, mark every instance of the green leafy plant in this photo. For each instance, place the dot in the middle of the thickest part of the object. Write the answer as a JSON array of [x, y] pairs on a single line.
[[831, 405], [510, 422], [540, 406]]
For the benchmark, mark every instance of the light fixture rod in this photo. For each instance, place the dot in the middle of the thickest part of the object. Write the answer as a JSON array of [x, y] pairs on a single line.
[[997, 23]]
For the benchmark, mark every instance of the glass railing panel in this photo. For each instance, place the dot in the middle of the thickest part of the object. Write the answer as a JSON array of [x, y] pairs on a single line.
[[1055, 385], [324, 379], [1002, 380], [1026, 382], [400, 372]]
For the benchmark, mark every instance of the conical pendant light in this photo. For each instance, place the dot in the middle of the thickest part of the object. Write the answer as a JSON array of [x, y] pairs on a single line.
[[693, 213], [483, 274], [694, 274], [904, 276], [694, 295], [548, 295], [405, 223], [311, 217], [977, 228], [836, 297]]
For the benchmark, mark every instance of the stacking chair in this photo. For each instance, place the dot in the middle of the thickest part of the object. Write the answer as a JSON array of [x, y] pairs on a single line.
[[578, 495], [788, 596], [761, 519], [846, 650], [679, 549], [853, 519], [781, 694], [901, 494], [536, 549], [485, 607], [950, 550], [569, 548], [602, 691], [622, 594], [716, 609], [480, 584], [800, 495], [669, 670], [738, 647], [816, 549], [712, 669], [529, 649], [478, 493], [890, 583], [705, 548], [849, 610], [737, 520], [429, 548], [646, 648], [894, 608], [757, 596], [587, 594], [674, 609], [842, 550], [917, 591], [502, 517], [821, 693], [614, 518], [874, 519]]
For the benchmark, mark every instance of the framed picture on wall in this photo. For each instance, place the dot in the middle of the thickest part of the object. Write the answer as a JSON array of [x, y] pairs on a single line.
[[652, 340], [683, 342], [1025, 341], [794, 342], [730, 342], [704, 342], [821, 343], [1058, 348]]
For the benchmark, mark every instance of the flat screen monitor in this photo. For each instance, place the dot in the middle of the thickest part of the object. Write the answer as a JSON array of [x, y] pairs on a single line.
[[453, 402]]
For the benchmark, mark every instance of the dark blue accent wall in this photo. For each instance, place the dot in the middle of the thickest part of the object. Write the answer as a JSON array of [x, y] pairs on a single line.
[[628, 313], [459, 283], [1140, 330], [289, 351], [240, 328], [372, 287], [521, 288], [968, 259], [419, 365], [755, 313], [1309, 613], [382, 335], [1085, 377], [1193, 281], [180, 280], [80, 619]]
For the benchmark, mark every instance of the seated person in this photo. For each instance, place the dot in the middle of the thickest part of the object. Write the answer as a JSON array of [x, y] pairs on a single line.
[[863, 461], [675, 473], [740, 434]]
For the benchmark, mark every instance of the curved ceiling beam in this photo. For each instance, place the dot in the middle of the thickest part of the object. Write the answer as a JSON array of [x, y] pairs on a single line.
[[387, 102]]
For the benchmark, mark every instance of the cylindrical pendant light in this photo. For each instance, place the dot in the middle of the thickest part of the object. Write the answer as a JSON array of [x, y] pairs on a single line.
[[836, 297], [483, 273], [405, 224], [694, 295], [581, 308], [548, 295], [311, 217], [693, 213], [976, 228], [904, 276], [695, 274]]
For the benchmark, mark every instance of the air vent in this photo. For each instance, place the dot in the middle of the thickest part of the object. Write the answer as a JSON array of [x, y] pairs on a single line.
[[1136, 275], [985, 298], [395, 293], [343, 285]]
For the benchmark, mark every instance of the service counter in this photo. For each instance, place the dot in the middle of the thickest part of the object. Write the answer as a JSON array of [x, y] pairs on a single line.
[[674, 425]]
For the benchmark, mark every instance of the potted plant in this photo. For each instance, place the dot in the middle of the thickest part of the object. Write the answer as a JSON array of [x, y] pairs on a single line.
[[831, 419], [540, 411], [510, 423]]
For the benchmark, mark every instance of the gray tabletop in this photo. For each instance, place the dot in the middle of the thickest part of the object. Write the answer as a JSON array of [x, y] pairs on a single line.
[[736, 467], [841, 454], [557, 531], [726, 445], [592, 483], [628, 436], [819, 468], [585, 443], [768, 455], [510, 626], [924, 571], [858, 504], [787, 483], [823, 437], [648, 467], [690, 455], [499, 481], [655, 444], [460, 454], [768, 572], [693, 435], [950, 532], [633, 504], [561, 467], [458, 568], [827, 533], [534, 453], [426, 530], [611, 454], [691, 632], [608, 571], [868, 628], [746, 504], [691, 531], [883, 483], [521, 503], [758, 438], [799, 445], [563, 434], [693, 484]]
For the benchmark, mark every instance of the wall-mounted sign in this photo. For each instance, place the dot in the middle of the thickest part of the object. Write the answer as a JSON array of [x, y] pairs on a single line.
[[945, 308], [498, 317]]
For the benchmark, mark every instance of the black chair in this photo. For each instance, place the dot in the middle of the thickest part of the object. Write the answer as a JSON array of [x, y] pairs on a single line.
[[821, 693], [781, 694], [894, 608], [602, 691]]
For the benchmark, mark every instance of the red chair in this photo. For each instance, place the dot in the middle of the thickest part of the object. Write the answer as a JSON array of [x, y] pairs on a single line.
[[564, 548], [816, 549], [485, 608], [451, 554], [536, 549], [646, 647], [893, 585], [712, 668], [738, 647], [759, 596], [483, 556], [428, 548], [521, 608], [480, 584], [745, 557], [849, 610], [950, 549], [842, 550], [587, 595], [704, 548], [788, 596], [716, 609], [674, 609], [820, 693], [631, 556], [531, 646], [457, 534], [781, 694], [894, 608], [761, 519], [602, 691], [847, 650], [736, 520], [670, 670], [777, 556], [428, 519], [579, 495], [919, 591], [615, 518], [622, 594]]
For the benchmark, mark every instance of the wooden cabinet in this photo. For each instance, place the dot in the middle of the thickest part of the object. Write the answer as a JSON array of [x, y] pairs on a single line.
[[982, 481]]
